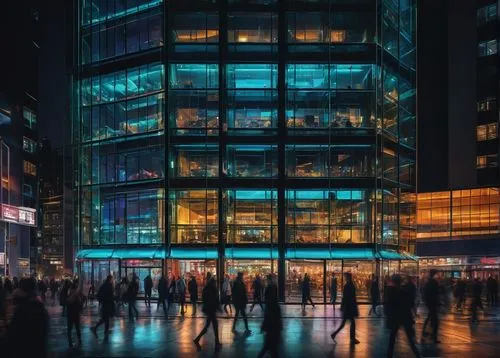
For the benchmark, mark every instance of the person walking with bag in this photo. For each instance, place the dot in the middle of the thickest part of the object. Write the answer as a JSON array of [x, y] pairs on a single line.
[[106, 299], [349, 309]]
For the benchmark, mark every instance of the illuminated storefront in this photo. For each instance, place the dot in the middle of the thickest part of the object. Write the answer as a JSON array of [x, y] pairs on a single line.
[[258, 136]]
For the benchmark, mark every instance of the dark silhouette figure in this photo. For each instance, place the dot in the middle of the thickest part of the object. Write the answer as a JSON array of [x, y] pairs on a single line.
[[495, 290], [42, 289], [374, 295], [15, 283], [7, 285], [181, 293], [272, 325], [477, 290], [53, 288], [226, 294], [431, 297], [306, 292], [490, 283], [148, 289], [333, 290], [257, 293], [349, 308], [193, 293], [210, 307], [399, 313], [240, 300], [63, 295], [75, 307], [171, 293], [162, 294], [131, 294], [460, 292], [107, 302], [27, 333]]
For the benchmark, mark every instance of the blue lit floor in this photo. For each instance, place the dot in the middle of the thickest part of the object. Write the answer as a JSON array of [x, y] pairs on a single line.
[[153, 336]]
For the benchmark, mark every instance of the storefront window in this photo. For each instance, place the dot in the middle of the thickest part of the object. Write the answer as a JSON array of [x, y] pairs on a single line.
[[250, 269], [197, 268], [252, 216], [361, 274], [196, 161], [194, 216], [251, 161], [295, 271]]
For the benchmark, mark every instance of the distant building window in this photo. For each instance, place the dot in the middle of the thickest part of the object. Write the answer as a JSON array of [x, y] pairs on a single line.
[[486, 14], [29, 145], [29, 118], [338, 35], [29, 168], [487, 48], [488, 104], [487, 132], [486, 161]]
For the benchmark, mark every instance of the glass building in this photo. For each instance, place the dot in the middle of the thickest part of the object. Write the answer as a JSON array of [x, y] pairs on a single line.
[[266, 136]]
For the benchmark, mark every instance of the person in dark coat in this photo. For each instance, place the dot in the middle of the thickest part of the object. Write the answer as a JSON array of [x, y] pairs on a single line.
[[170, 292], [272, 324], [374, 295], [193, 293], [211, 305], [107, 301], [63, 295], [27, 333], [74, 307], [257, 293], [349, 308], [7, 285], [460, 292], [240, 301], [162, 293], [399, 312], [333, 290], [477, 290], [148, 289], [42, 289], [131, 295], [306, 292], [431, 297], [180, 286]]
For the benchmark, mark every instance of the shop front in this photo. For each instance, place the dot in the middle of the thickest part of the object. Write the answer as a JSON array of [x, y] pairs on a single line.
[[463, 267]]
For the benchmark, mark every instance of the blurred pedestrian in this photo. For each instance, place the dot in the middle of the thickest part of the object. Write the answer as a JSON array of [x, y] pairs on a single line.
[[226, 294], [333, 290], [477, 290], [148, 289], [210, 307], [63, 295], [171, 292], [374, 295], [131, 297], [7, 285], [272, 324], [257, 288], [349, 308], [460, 291], [306, 292], [193, 293], [27, 333], [431, 298], [399, 313], [490, 287], [162, 294], [75, 307], [181, 293], [107, 302], [495, 290], [42, 289], [240, 301]]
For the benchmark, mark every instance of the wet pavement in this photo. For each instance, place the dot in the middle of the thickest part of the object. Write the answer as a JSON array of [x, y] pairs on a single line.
[[305, 335]]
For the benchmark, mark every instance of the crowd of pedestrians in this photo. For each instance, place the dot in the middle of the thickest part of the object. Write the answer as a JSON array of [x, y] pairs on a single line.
[[400, 302]]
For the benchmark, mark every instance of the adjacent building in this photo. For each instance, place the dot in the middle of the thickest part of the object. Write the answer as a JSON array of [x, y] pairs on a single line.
[[261, 136]]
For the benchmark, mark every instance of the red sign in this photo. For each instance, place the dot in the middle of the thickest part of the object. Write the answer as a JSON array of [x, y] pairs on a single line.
[[10, 213], [489, 261]]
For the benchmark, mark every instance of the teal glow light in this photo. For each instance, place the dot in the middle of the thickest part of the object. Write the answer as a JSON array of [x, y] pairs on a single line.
[[193, 253], [126, 12], [255, 194], [251, 253]]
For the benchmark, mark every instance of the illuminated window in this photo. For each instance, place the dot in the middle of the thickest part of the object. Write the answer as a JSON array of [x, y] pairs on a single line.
[[307, 27], [338, 35], [486, 161], [488, 104], [197, 161], [29, 118], [487, 132], [29, 145], [195, 28], [29, 168], [486, 14], [252, 28], [487, 48]]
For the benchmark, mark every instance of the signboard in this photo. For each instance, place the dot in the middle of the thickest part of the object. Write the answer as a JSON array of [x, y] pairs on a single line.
[[18, 215], [2, 258], [10, 213], [27, 216]]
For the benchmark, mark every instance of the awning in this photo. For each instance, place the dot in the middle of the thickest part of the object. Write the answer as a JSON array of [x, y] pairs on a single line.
[[308, 253], [387, 254], [251, 253], [142, 253], [354, 253], [94, 254], [193, 253]]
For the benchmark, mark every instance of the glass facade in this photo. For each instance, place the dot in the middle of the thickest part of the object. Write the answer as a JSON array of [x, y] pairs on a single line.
[[267, 136]]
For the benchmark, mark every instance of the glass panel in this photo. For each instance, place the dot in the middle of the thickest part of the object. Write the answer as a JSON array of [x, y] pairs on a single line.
[[194, 76], [194, 112], [249, 161], [195, 161], [251, 269], [260, 76], [252, 28], [295, 272]]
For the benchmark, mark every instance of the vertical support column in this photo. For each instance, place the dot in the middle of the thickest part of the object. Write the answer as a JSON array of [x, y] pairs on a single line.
[[168, 19], [281, 184], [324, 281]]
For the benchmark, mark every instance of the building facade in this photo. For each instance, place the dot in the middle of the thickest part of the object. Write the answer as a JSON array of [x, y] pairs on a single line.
[[265, 136]]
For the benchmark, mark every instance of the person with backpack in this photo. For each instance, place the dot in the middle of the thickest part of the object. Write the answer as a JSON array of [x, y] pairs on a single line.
[[74, 309], [210, 307]]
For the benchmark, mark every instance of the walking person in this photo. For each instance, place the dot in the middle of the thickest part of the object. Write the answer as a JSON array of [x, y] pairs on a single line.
[[226, 294], [349, 308], [193, 293], [460, 292], [170, 292], [477, 290], [131, 297], [240, 300], [431, 298], [272, 324], [210, 307], [75, 307], [107, 302], [162, 294], [374, 295], [306, 292], [257, 293], [148, 289], [399, 313], [63, 295], [181, 293], [333, 290]]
